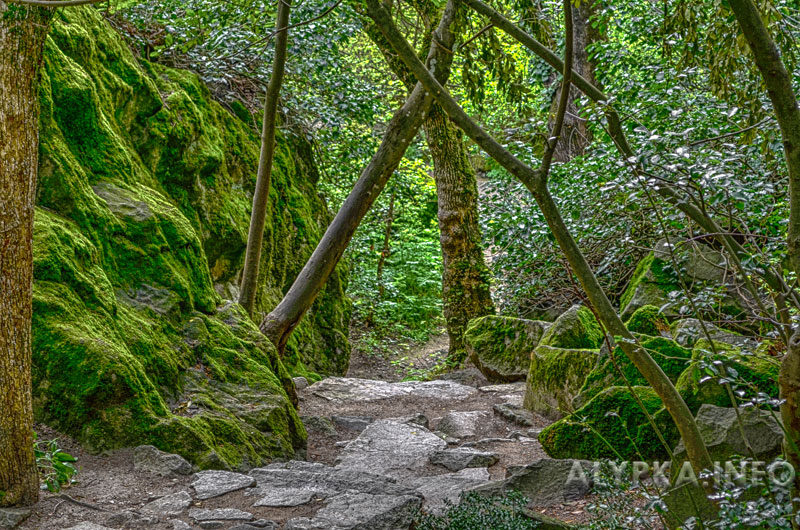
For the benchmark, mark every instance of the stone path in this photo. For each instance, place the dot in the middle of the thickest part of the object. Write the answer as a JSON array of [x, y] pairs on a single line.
[[378, 453]]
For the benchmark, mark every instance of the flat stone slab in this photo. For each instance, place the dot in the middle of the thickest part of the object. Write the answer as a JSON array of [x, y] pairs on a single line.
[[462, 424], [437, 490], [387, 447], [88, 526], [361, 511], [210, 484], [546, 482], [354, 390], [173, 504], [12, 517], [286, 497], [220, 514], [462, 458], [506, 388]]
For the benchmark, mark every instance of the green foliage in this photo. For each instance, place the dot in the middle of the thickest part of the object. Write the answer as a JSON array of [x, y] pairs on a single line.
[[476, 512], [56, 468]]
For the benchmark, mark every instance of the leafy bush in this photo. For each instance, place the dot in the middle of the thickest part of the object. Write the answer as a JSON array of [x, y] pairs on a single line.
[[56, 468], [475, 512]]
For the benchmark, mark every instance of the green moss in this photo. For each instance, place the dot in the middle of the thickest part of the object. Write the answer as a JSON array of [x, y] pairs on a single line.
[[501, 347], [648, 320], [576, 328], [144, 194], [650, 284], [754, 373], [611, 425], [670, 356], [555, 377]]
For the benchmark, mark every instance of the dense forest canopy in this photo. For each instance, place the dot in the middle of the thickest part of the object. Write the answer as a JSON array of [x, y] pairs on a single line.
[[600, 198]]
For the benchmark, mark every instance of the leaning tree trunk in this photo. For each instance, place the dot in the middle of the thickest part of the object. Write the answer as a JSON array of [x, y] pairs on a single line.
[[22, 34], [465, 277]]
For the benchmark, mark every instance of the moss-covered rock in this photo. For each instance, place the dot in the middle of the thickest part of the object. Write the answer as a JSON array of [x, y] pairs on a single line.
[[555, 377], [651, 283], [611, 425], [144, 194], [616, 369], [750, 374], [576, 328], [501, 347], [648, 320]]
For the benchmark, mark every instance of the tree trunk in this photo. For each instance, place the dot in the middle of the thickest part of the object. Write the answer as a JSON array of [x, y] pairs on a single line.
[[576, 136], [385, 250], [402, 129], [465, 277], [22, 34], [255, 238]]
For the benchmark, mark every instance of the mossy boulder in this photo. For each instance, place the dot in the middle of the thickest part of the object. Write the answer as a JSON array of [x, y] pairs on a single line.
[[555, 377], [750, 373], [651, 283], [501, 347], [144, 195], [576, 328], [617, 369], [648, 320], [611, 426]]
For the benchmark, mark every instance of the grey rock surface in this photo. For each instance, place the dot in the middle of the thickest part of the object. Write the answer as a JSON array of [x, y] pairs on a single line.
[[391, 448], [438, 489], [347, 389], [150, 459], [720, 430], [209, 484], [220, 514], [173, 504], [461, 458], [177, 524], [131, 519], [300, 383], [462, 424], [88, 526], [12, 517], [515, 413], [687, 331], [352, 423], [546, 482], [286, 497], [361, 511]]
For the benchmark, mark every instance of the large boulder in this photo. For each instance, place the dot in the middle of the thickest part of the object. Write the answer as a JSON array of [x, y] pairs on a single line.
[[143, 208], [576, 328], [687, 331], [648, 320], [611, 426], [546, 482], [555, 377], [716, 361], [722, 433], [501, 347], [617, 369]]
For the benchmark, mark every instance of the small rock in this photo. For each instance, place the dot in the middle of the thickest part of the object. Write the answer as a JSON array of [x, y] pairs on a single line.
[[343, 443], [286, 497], [413, 419], [458, 459], [209, 484], [211, 525], [507, 388], [172, 505], [264, 523], [462, 424], [220, 514], [13, 517], [515, 414], [131, 519], [177, 524], [88, 526], [152, 460], [300, 383], [352, 423], [251, 526]]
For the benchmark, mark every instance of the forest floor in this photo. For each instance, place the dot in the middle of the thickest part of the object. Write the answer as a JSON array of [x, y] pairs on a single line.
[[350, 421]]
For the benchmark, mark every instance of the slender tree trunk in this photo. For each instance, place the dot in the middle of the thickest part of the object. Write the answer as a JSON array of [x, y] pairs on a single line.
[[402, 129], [684, 420], [784, 102], [22, 34], [255, 238], [385, 250], [465, 277]]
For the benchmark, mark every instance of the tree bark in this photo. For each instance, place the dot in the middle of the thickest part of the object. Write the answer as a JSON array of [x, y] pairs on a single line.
[[258, 218], [465, 276], [22, 34], [684, 420], [402, 129]]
